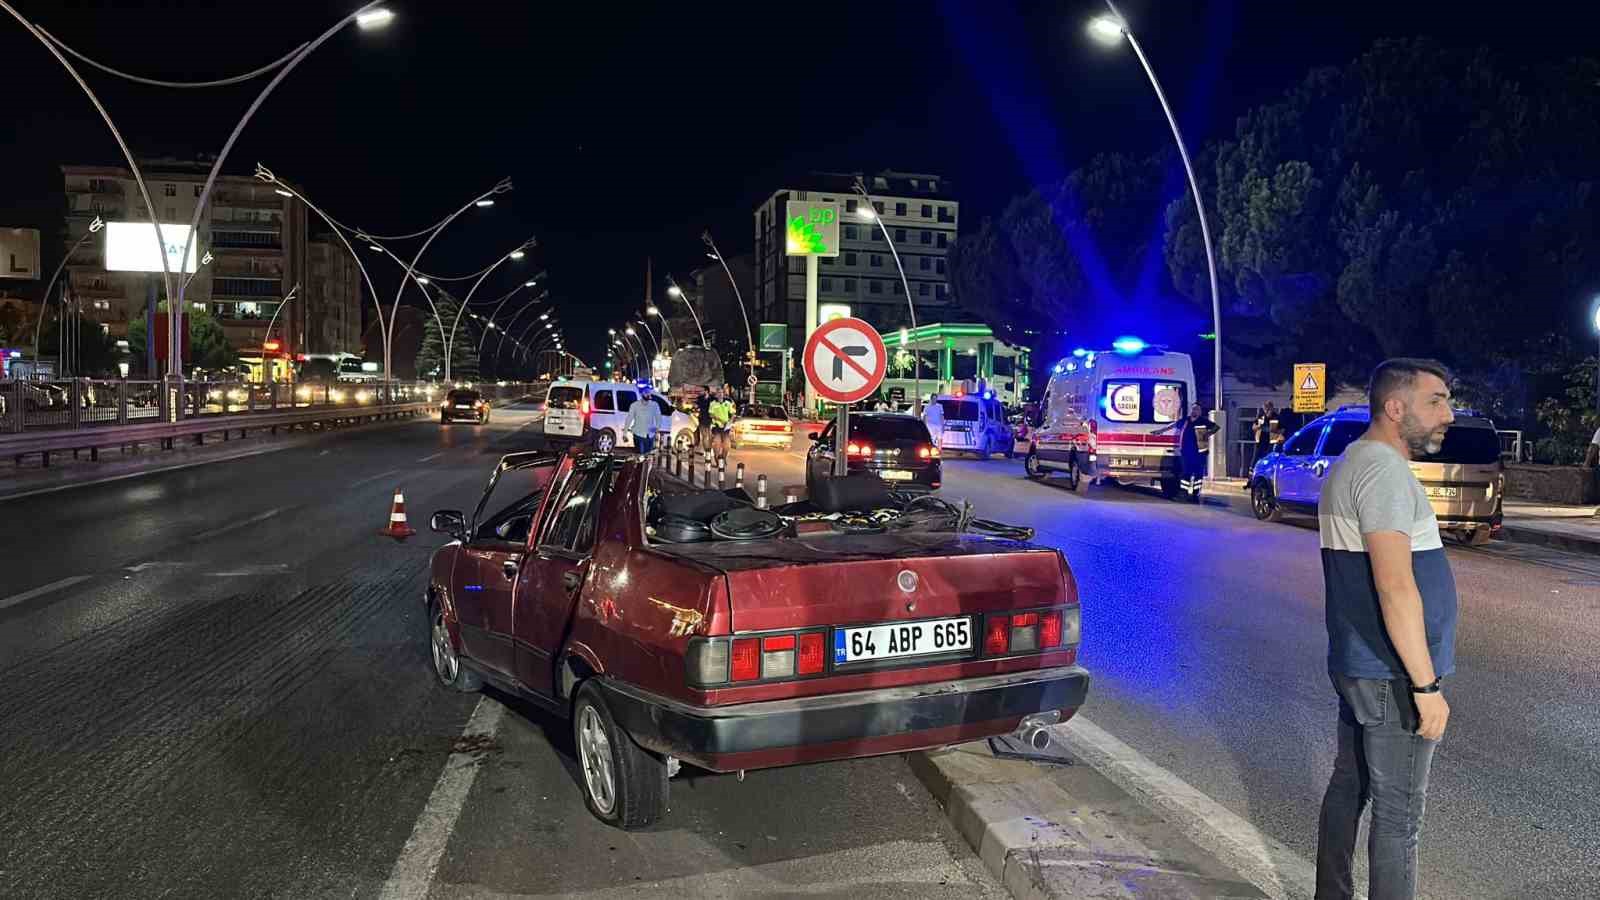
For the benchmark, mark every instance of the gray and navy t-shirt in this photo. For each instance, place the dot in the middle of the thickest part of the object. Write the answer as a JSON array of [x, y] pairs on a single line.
[[1371, 489]]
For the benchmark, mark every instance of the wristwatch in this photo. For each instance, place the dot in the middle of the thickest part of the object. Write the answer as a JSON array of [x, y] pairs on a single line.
[[1428, 688]]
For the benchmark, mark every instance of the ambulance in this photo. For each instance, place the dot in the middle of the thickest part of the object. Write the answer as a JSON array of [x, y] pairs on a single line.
[[1107, 415]]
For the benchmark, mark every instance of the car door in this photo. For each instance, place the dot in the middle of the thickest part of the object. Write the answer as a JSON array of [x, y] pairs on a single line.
[[555, 571], [624, 403], [1339, 435], [603, 405], [1296, 481], [490, 573]]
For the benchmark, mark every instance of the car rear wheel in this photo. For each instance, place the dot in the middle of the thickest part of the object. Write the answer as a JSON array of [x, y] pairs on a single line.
[[624, 785], [1030, 465], [1264, 503], [1076, 478], [605, 440], [447, 664]]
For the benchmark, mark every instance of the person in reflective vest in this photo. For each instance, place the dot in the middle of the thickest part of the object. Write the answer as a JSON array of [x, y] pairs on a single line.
[[1194, 434]]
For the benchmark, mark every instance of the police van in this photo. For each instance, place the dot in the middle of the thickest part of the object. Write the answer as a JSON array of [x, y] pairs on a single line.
[[969, 419], [1101, 414]]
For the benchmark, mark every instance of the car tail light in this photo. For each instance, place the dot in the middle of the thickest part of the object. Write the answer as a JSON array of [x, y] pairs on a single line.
[[854, 449], [1030, 631], [811, 654], [583, 406], [777, 656], [1050, 629], [746, 659], [996, 638], [707, 661]]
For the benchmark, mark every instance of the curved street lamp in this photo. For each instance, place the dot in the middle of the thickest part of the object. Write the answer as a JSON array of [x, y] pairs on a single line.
[[267, 335], [44, 300], [449, 340], [870, 212], [1110, 29], [749, 335], [675, 291], [666, 329]]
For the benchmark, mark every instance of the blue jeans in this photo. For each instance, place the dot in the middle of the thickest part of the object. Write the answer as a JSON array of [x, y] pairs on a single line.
[[644, 443], [1383, 761]]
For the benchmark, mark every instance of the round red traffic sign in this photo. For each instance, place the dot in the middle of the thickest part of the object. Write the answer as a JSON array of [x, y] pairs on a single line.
[[845, 360]]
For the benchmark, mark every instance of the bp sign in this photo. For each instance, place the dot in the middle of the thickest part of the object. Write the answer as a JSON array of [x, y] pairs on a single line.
[[813, 228]]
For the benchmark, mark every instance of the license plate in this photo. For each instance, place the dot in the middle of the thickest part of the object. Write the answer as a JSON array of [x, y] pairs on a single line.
[[1443, 493], [896, 475], [905, 639], [1128, 462], [463, 406]]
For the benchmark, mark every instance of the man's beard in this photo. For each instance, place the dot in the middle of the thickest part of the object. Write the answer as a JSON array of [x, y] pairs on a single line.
[[1422, 441]]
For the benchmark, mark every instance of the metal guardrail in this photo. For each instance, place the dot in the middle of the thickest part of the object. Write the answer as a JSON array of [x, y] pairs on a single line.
[[85, 414]]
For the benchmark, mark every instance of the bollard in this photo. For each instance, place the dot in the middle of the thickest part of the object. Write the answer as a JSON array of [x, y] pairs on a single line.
[[738, 476], [707, 478], [761, 492], [789, 496], [691, 468], [722, 474], [679, 463]]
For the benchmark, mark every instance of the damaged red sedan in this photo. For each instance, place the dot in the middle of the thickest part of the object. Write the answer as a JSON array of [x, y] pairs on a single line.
[[672, 625]]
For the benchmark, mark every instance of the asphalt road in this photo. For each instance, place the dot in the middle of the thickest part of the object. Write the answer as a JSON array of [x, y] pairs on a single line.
[[1204, 631], [216, 685]]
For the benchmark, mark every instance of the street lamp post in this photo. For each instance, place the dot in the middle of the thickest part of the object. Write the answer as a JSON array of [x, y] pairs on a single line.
[[666, 330], [1109, 29], [749, 335], [44, 299], [870, 212], [676, 291], [449, 340], [267, 335]]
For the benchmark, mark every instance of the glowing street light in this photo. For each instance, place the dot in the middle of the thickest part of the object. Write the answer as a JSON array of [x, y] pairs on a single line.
[[516, 254], [485, 203], [1106, 29], [375, 18]]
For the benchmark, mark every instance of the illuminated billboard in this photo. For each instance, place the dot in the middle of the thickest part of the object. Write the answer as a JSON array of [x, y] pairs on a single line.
[[132, 247]]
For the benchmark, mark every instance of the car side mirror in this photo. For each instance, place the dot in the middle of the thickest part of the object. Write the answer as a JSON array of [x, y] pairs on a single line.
[[449, 521], [814, 436]]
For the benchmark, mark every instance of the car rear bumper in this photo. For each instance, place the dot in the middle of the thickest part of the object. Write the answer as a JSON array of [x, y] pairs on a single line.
[[842, 726], [767, 440]]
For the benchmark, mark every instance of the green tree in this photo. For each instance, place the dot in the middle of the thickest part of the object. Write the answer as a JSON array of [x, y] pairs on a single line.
[[1420, 200], [463, 347], [208, 343]]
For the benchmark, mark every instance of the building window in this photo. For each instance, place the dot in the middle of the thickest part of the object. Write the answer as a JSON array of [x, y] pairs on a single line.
[[940, 266], [849, 206], [933, 186], [874, 286], [946, 215], [850, 232], [927, 210], [927, 237], [922, 289], [849, 259], [899, 289], [197, 190], [926, 263], [849, 285], [826, 284], [940, 291], [878, 181], [875, 261], [899, 235], [877, 233], [916, 184], [899, 209], [171, 190], [944, 239], [877, 205]]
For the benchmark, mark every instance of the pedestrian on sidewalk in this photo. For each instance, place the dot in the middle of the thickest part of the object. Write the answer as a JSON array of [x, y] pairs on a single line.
[[643, 421], [1266, 426], [1194, 437], [1390, 605], [721, 412]]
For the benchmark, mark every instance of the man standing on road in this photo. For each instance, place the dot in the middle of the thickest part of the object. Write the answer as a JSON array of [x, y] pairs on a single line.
[[702, 419], [1266, 426], [643, 420], [721, 412], [1391, 618]]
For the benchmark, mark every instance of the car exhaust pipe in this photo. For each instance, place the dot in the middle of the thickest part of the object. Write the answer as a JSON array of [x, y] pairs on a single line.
[[1034, 731]]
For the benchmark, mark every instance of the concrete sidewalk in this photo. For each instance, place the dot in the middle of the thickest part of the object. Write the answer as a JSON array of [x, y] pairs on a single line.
[[1061, 828]]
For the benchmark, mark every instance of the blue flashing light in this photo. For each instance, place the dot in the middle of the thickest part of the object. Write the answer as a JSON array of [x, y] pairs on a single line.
[[1080, 353], [1128, 345], [1088, 363], [988, 395], [1071, 367]]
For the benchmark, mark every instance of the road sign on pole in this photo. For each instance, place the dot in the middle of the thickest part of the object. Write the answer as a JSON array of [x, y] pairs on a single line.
[[1310, 387], [845, 360]]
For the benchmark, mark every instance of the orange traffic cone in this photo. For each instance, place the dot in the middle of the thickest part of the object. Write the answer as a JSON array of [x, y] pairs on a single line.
[[398, 529]]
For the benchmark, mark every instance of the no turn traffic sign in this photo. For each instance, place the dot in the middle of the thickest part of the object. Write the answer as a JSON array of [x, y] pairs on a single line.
[[845, 360]]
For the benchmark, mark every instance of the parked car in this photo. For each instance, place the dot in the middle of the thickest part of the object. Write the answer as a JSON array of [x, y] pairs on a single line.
[[562, 588], [463, 403], [893, 446], [594, 412], [1464, 481], [763, 425], [971, 423]]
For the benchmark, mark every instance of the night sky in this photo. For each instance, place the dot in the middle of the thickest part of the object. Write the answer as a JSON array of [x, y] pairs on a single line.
[[628, 128]]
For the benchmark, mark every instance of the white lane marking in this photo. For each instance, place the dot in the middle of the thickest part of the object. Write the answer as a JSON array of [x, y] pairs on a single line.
[[25, 596], [413, 872], [434, 456], [325, 453], [228, 529], [155, 565], [371, 478], [263, 569], [1271, 866]]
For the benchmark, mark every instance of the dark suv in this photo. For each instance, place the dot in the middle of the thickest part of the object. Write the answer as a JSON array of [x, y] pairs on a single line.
[[464, 404], [895, 447]]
